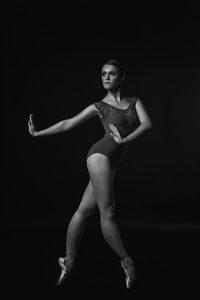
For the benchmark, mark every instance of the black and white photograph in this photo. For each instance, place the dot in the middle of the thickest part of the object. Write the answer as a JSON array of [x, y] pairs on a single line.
[[101, 148]]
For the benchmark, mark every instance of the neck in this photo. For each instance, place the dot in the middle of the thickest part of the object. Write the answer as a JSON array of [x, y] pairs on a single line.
[[115, 94]]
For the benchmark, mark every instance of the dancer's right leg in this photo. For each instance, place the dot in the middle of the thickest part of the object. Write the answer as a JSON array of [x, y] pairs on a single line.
[[74, 232], [78, 221]]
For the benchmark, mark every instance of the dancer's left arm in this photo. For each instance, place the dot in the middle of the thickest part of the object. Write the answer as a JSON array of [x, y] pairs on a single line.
[[145, 123]]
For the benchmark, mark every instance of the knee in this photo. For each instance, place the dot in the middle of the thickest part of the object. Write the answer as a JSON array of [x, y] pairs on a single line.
[[107, 214], [83, 213]]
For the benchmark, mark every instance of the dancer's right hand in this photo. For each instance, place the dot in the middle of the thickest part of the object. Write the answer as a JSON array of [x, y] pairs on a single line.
[[31, 126]]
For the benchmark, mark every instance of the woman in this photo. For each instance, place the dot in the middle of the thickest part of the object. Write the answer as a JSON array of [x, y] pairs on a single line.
[[124, 119]]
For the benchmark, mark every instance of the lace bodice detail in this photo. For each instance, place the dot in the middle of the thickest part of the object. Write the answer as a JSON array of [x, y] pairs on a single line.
[[124, 119], [106, 109]]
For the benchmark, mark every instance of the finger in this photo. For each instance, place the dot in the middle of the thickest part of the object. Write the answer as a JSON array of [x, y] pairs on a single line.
[[111, 127], [114, 128], [29, 128], [31, 118], [117, 132], [30, 131], [32, 122]]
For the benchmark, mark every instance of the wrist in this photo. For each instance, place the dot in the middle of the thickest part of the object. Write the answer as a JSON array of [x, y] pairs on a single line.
[[124, 140], [36, 134]]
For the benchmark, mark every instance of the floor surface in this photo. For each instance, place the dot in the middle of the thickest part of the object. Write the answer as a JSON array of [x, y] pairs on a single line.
[[167, 262]]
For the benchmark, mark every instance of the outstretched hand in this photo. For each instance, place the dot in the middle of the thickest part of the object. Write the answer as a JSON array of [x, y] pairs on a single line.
[[115, 134], [31, 126]]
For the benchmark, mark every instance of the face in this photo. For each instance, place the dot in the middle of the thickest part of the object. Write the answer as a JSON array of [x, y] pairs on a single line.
[[111, 78]]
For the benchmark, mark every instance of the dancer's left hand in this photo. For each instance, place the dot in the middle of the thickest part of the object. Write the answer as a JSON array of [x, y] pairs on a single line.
[[115, 134]]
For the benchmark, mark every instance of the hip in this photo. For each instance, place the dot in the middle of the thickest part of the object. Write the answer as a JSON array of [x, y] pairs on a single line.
[[109, 147]]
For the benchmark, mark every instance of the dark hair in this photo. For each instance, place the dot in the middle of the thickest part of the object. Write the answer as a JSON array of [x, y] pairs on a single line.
[[116, 64]]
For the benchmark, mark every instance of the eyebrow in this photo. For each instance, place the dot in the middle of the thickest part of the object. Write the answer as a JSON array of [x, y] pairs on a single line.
[[109, 71]]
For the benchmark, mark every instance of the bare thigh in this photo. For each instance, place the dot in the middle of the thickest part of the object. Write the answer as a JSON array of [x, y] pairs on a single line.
[[88, 203], [101, 177]]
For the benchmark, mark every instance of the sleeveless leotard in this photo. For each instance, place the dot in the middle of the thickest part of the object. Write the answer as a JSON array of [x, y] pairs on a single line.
[[126, 120]]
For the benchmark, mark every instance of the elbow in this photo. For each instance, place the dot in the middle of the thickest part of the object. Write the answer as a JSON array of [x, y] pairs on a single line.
[[148, 124], [65, 125]]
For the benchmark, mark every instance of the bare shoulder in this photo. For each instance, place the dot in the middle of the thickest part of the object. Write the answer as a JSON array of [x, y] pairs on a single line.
[[92, 107], [88, 112], [134, 99], [138, 103], [95, 106]]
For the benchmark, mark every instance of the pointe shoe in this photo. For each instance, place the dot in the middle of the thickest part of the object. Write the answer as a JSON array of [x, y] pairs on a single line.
[[66, 265], [129, 269]]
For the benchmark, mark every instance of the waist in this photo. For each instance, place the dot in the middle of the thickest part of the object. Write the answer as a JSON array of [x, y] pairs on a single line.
[[110, 140]]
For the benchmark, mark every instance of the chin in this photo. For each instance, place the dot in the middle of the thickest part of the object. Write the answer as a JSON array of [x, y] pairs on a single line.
[[111, 88], [106, 87]]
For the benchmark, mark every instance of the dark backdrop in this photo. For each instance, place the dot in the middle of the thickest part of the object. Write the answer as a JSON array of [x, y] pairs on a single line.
[[52, 59]]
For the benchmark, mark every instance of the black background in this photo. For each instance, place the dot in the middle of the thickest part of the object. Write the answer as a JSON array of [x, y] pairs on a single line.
[[52, 68]]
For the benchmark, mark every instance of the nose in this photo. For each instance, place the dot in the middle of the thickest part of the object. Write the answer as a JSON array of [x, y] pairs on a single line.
[[107, 77]]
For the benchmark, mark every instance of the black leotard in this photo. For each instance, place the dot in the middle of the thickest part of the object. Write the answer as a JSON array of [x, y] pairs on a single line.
[[126, 120]]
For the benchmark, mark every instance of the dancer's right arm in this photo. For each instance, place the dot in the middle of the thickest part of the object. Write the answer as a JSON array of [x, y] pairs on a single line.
[[63, 125]]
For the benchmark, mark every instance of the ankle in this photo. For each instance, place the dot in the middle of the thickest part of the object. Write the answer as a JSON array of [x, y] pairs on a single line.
[[127, 260], [70, 257], [124, 258]]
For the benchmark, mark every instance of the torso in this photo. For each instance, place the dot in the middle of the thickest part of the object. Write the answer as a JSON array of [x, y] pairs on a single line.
[[124, 117]]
